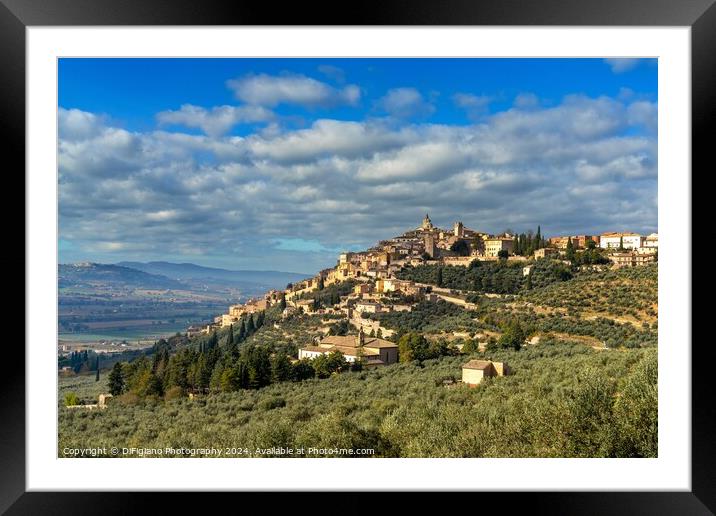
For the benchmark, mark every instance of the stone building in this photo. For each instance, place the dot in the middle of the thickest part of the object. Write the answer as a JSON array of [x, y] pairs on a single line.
[[494, 245], [371, 350], [474, 371], [628, 240]]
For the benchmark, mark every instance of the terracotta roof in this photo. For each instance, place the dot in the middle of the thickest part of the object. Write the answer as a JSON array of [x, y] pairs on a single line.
[[351, 341], [371, 342], [353, 351], [315, 348], [619, 234], [477, 364], [341, 340]]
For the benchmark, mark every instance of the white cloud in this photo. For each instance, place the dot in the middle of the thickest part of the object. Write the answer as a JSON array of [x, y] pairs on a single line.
[[327, 138], [622, 64], [420, 161], [341, 184], [475, 105], [74, 124], [270, 91], [643, 113], [405, 103], [526, 100], [333, 72], [218, 120]]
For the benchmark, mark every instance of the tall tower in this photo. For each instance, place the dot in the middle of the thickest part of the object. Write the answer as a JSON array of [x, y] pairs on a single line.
[[427, 223], [459, 230], [430, 248]]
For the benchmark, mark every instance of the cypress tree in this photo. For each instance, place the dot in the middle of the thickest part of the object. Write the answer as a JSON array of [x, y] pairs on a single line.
[[570, 249], [538, 239], [96, 378], [116, 380], [242, 331], [213, 341]]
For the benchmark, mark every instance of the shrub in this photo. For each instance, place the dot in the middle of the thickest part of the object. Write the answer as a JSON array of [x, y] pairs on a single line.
[[174, 393], [71, 399]]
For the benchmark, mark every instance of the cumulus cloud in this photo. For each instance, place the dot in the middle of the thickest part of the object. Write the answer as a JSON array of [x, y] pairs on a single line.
[[272, 90], [405, 103], [526, 100], [289, 198], [74, 124], [475, 105], [622, 64], [643, 113], [333, 72], [216, 121], [328, 138]]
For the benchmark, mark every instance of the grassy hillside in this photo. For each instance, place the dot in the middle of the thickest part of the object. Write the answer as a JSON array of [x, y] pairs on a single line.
[[564, 400], [490, 277], [623, 293]]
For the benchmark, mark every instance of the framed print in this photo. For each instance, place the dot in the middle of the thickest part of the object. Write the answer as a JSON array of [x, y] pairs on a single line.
[[427, 241]]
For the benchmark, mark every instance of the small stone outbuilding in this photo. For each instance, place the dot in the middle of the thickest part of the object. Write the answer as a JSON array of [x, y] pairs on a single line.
[[475, 370]]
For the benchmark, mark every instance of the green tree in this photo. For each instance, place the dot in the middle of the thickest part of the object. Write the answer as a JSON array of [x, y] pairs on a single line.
[[621, 243], [461, 247], [230, 337], [412, 346], [147, 384], [570, 252], [439, 279], [71, 399], [503, 254], [471, 346], [636, 411], [302, 370], [115, 380], [96, 378], [590, 417], [229, 380], [212, 342], [538, 239], [513, 336], [329, 363], [280, 368], [491, 345]]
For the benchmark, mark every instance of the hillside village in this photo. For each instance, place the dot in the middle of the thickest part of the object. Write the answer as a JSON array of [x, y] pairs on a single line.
[[398, 344], [376, 287]]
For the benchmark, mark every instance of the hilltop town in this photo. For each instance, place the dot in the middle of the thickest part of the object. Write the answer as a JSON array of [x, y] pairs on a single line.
[[376, 288], [455, 337]]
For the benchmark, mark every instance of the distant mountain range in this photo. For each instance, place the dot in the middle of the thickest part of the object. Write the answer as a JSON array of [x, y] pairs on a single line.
[[172, 276], [193, 272], [87, 274]]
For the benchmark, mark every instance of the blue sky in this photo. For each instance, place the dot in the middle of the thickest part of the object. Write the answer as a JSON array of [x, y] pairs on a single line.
[[280, 163]]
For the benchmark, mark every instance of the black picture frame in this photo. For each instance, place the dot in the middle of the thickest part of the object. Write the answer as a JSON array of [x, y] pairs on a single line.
[[700, 15]]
